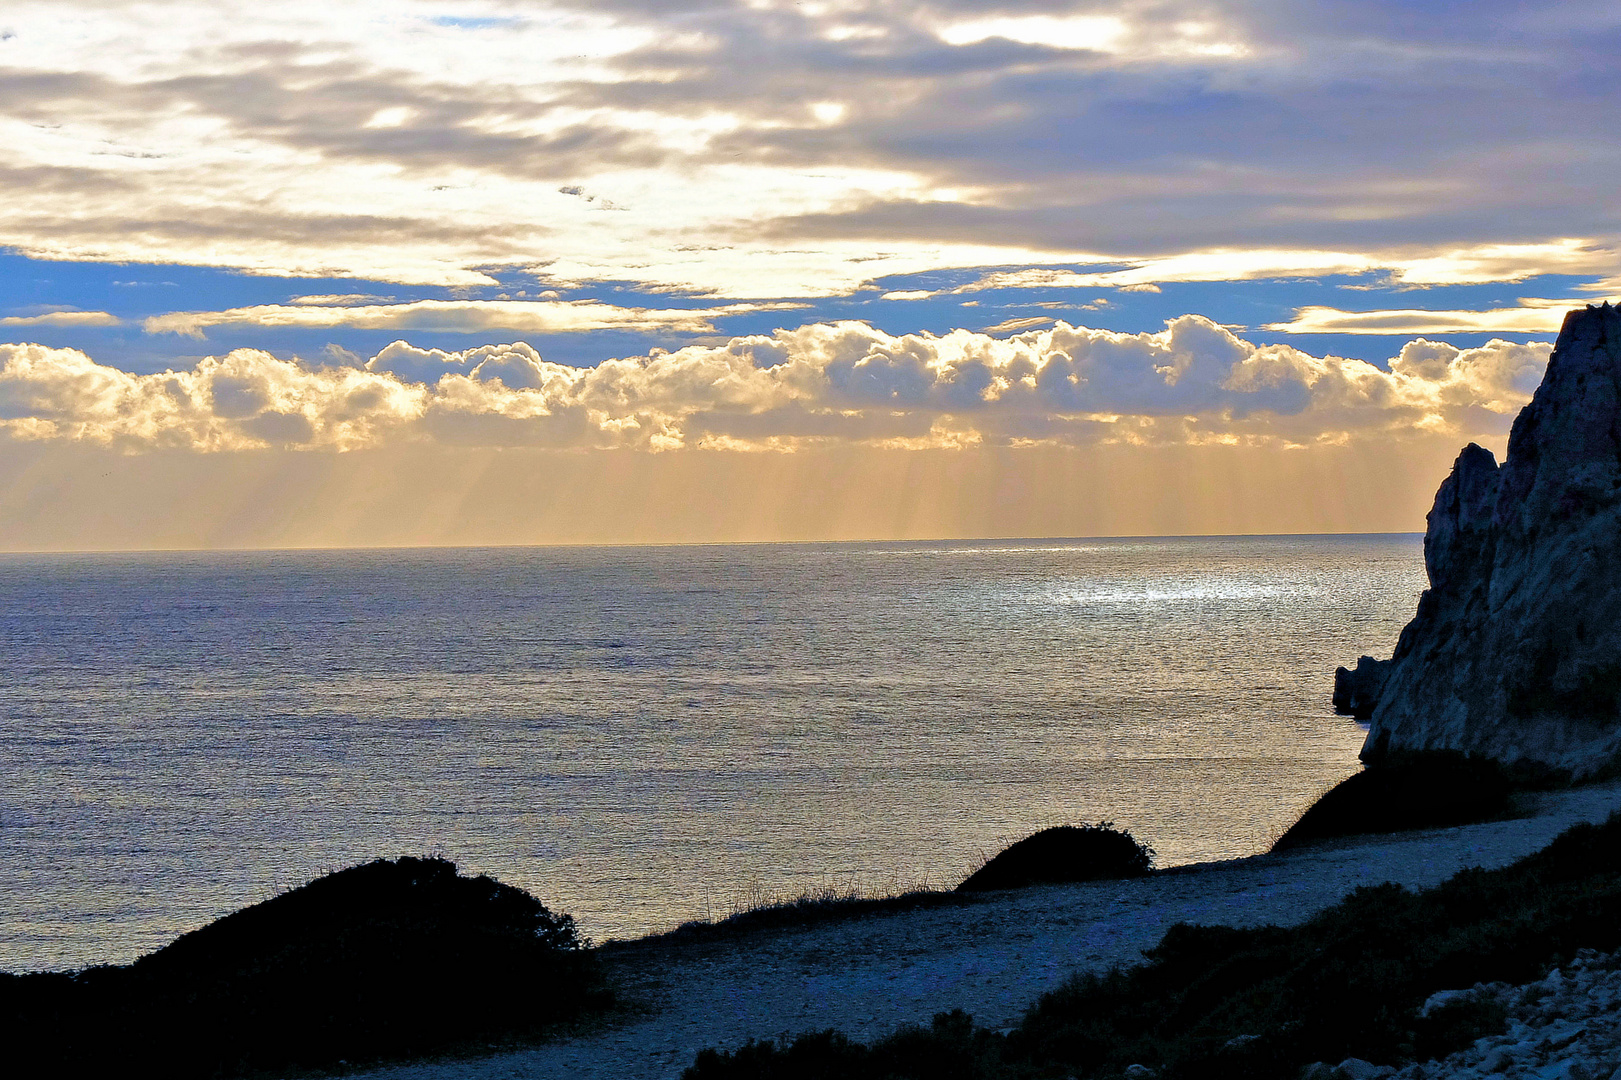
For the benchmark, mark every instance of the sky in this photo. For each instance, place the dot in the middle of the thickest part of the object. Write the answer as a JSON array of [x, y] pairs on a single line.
[[505, 271]]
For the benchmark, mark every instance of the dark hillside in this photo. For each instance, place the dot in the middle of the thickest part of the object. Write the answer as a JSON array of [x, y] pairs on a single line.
[[384, 960], [1426, 789]]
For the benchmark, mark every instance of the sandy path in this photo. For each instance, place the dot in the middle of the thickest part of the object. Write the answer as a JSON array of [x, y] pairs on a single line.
[[994, 959]]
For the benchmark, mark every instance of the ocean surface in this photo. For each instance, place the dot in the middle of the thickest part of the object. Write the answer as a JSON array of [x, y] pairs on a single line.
[[645, 735]]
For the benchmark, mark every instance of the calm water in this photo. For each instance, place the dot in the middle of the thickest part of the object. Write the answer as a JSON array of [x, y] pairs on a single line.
[[639, 735]]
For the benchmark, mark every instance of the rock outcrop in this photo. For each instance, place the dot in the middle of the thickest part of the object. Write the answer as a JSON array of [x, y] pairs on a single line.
[[1357, 690], [1567, 1024], [1515, 651]]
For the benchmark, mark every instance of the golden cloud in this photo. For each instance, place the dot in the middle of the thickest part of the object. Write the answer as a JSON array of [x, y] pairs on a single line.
[[1194, 382]]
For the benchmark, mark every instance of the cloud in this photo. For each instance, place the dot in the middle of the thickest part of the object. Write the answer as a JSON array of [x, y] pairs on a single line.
[[1101, 33], [1193, 383], [1533, 316], [243, 400], [1012, 326], [456, 316], [769, 149], [1455, 266], [341, 299], [63, 318], [518, 366]]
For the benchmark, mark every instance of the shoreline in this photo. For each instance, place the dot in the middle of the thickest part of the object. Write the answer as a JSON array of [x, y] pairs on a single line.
[[993, 956]]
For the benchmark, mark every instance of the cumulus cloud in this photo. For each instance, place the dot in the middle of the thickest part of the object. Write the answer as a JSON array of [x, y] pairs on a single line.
[[1195, 382], [462, 316], [246, 399], [517, 366]]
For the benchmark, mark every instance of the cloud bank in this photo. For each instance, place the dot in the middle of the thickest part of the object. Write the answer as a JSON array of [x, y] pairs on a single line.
[[825, 384], [768, 148]]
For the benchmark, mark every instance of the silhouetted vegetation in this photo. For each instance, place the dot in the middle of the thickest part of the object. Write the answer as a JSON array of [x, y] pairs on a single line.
[[950, 1048], [1217, 1001], [1067, 853], [385, 960], [1064, 853], [811, 908], [1425, 789]]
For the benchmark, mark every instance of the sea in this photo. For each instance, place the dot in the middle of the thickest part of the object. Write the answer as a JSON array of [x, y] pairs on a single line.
[[641, 736]]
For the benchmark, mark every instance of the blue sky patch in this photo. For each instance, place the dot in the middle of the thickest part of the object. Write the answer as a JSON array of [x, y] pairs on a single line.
[[134, 292]]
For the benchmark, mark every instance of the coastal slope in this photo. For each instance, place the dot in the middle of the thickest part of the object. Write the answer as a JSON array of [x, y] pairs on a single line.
[[994, 958]]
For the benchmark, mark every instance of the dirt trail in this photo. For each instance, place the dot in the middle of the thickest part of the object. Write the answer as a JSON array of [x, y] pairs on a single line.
[[994, 959]]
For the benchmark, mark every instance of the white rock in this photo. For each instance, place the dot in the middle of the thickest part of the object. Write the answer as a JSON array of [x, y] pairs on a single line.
[[1442, 998], [1569, 1069], [1562, 1035], [1512, 651]]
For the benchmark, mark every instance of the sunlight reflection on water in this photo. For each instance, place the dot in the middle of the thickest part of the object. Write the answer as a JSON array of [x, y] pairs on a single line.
[[636, 734], [1166, 594]]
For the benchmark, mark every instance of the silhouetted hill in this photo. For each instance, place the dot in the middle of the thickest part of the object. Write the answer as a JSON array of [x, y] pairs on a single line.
[[1409, 790], [1063, 853], [388, 959]]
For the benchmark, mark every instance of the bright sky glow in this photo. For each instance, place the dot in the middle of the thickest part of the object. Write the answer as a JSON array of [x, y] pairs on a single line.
[[1098, 32]]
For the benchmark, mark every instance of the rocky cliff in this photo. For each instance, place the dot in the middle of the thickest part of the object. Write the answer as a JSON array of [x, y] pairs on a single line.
[[1515, 651]]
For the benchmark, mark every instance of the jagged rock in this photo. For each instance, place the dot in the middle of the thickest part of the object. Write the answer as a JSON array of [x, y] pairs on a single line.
[[1357, 692], [1515, 651], [1458, 543]]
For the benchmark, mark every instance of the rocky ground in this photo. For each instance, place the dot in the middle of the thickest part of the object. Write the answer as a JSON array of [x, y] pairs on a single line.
[[995, 957], [1564, 1027]]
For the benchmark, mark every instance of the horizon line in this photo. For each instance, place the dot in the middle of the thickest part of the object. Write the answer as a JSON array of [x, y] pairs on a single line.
[[845, 541]]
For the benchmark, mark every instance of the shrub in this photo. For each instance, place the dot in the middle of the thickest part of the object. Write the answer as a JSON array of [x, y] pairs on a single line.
[[950, 1048], [383, 960], [1455, 1025], [1061, 854], [1411, 790]]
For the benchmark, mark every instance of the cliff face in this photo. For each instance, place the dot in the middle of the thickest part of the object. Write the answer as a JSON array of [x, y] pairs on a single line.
[[1515, 651]]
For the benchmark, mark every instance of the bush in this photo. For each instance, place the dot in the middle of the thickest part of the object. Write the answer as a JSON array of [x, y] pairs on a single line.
[[1412, 790], [950, 1048], [388, 959], [1455, 1025], [1261, 1003], [1062, 854]]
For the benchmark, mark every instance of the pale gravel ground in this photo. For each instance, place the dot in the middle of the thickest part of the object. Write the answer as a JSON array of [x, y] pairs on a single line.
[[994, 959]]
